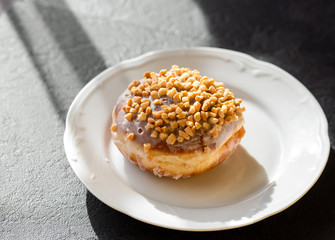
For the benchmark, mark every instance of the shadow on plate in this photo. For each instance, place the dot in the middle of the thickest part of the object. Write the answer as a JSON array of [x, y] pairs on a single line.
[[237, 179], [300, 221]]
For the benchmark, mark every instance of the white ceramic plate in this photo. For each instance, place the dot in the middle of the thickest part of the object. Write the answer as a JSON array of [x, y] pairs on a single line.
[[282, 155]]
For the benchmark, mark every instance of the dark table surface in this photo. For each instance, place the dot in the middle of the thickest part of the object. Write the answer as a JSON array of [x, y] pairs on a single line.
[[50, 49]]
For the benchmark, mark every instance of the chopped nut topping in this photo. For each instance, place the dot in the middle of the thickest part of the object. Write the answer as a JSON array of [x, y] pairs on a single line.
[[228, 119], [129, 117], [147, 147], [137, 99], [130, 136], [174, 125], [133, 110], [205, 125], [180, 139], [207, 149], [171, 139], [162, 92], [157, 115], [177, 98], [192, 110], [172, 115], [145, 105], [129, 102], [149, 126], [151, 120], [205, 106], [135, 83], [147, 74], [164, 115], [156, 87], [197, 117], [182, 122], [179, 110], [162, 72], [204, 116], [154, 95], [181, 115], [154, 134], [213, 120], [158, 102], [172, 92], [239, 114], [159, 122], [126, 109], [189, 131], [142, 117], [185, 99], [214, 133], [114, 128], [184, 135], [148, 111], [163, 135], [199, 104], [235, 117], [190, 123]]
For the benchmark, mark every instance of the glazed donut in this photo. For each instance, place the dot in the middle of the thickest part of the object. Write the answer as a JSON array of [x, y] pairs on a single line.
[[177, 123]]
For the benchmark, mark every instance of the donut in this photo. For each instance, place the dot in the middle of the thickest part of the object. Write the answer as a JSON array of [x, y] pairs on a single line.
[[177, 123]]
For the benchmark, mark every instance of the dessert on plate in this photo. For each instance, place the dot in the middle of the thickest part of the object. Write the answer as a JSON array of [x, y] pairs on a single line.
[[177, 123]]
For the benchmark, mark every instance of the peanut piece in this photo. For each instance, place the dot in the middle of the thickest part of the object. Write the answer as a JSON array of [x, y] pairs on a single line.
[[204, 116], [147, 74], [192, 110], [154, 95], [197, 117], [126, 109], [130, 136], [159, 122], [197, 106], [114, 128], [158, 102], [205, 125], [142, 117], [171, 139], [180, 139], [182, 122], [129, 102], [184, 135], [145, 104], [162, 92], [163, 135], [154, 134], [134, 83], [148, 111], [147, 147], [149, 126], [189, 131], [129, 117]]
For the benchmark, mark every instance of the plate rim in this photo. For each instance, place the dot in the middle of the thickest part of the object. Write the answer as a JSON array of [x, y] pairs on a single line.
[[323, 134]]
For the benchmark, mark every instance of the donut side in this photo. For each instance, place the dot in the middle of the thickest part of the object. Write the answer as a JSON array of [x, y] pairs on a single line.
[[176, 165]]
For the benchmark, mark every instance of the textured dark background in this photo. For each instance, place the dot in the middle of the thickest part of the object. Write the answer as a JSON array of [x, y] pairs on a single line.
[[50, 49]]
